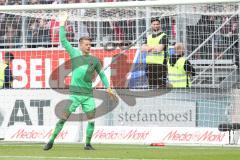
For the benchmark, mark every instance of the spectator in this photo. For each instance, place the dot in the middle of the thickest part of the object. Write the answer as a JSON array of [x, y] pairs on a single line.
[[156, 59], [32, 34], [233, 38], [54, 32], [2, 29], [14, 2], [70, 31], [33, 2], [72, 1], [2, 2], [6, 77], [11, 37], [47, 1], [117, 30], [43, 34], [10, 34], [82, 28], [179, 69], [128, 29]]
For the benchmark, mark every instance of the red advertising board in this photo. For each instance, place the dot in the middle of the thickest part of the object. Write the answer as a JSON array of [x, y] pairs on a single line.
[[33, 68]]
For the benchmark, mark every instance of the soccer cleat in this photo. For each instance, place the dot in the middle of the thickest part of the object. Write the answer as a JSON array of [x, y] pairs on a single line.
[[88, 147], [48, 146]]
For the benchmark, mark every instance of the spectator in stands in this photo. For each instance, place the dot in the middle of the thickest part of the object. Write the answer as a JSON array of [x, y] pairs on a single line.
[[2, 29], [128, 28], [11, 37], [229, 35], [179, 69], [117, 30], [205, 26], [82, 28], [156, 59], [2, 2], [72, 1], [32, 34], [14, 2], [43, 38], [54, 31], [32, 2], [47, 1], [70, 31], [10, 31], [224, 31], [233, 38], [75, 1], [17, 24], [86, 1], [6, 77]]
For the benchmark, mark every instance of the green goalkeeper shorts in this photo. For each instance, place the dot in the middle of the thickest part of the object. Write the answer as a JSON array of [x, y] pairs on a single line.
[[87, 103]]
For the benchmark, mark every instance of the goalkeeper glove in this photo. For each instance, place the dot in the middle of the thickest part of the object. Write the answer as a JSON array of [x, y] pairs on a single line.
[[63, 16]]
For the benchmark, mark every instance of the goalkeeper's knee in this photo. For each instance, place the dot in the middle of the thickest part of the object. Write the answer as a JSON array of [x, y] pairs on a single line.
[[65, 115], [92, 121], [90, 116]]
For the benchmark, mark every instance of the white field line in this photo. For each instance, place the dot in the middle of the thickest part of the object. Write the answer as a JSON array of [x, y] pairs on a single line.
[[197, 147], [75, 158]]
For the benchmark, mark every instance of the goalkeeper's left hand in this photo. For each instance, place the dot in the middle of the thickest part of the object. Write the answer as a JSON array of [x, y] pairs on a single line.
[[112, 94]]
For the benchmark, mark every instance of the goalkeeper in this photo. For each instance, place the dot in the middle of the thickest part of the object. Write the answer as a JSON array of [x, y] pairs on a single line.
[[83, 67]]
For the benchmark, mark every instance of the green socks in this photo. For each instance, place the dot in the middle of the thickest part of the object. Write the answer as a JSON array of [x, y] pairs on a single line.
[[90, 129], [58, 128]]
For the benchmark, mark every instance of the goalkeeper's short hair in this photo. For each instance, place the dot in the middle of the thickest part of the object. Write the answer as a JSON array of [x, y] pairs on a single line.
[[85, 38], [153, 19]]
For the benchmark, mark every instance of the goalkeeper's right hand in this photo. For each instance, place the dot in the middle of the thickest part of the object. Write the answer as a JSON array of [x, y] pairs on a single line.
[[63, 16], [112, 94]]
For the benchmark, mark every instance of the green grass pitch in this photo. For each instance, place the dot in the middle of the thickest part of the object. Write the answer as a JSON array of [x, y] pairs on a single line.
[[14, 151]]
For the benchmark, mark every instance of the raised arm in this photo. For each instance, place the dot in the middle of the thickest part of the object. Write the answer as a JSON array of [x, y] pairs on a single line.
[[65, 43]]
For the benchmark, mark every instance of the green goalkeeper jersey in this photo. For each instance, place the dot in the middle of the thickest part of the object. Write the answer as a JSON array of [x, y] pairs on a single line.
[[83, 68]]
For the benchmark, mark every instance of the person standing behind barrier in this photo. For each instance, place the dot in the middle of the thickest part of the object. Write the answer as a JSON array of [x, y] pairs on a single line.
[[6, 77], [156, 59], [179, 68]]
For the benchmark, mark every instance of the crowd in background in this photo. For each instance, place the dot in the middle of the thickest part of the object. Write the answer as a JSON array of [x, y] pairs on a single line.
[[205, 27], [44, 32]]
